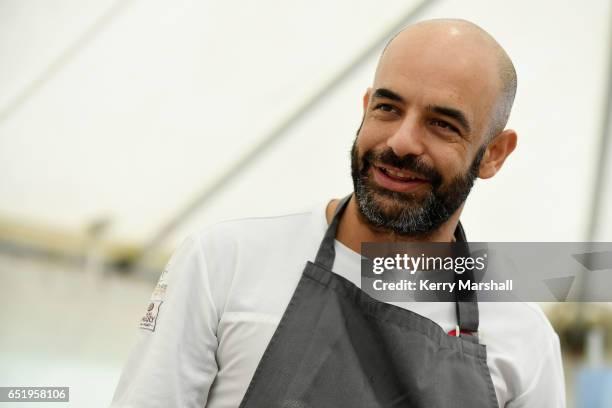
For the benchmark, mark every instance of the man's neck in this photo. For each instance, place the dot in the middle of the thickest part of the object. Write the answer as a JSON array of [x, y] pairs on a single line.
[[352, 230]]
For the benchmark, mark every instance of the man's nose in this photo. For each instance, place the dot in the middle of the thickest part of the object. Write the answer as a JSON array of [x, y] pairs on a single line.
[[408, 138]]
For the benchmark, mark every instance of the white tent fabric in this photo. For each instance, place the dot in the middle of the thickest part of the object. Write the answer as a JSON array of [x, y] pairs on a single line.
[[129, 109]]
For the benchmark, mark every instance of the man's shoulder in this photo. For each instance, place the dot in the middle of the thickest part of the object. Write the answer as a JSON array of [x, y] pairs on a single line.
[[262, 232], [526, 315], [519, 326], [257, 226]]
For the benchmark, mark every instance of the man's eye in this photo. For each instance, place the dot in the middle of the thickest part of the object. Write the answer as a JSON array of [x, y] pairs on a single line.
[[444, 125], [385, 107]]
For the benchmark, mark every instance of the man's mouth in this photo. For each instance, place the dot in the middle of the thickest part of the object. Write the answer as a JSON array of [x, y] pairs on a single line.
[[398, 180]]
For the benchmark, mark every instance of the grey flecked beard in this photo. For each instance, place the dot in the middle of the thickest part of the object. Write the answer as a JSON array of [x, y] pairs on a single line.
[[408, 214]]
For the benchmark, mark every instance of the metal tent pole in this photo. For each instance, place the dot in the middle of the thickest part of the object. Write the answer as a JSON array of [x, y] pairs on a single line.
[[56, 65]]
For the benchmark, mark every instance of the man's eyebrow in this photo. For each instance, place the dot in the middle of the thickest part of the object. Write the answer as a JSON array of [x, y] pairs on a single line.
[[387, 94], [452, 113]]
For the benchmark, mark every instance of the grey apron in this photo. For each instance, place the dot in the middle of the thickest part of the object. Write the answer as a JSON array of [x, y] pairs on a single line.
[[337, 347]]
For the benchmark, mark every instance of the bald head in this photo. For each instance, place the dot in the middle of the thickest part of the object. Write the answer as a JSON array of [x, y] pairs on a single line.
[[447, 45]]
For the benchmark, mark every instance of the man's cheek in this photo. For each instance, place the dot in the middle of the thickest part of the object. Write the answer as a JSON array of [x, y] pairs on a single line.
[[445, 176]]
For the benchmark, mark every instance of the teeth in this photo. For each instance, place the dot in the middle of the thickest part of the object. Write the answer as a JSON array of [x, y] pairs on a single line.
[[400, 174]]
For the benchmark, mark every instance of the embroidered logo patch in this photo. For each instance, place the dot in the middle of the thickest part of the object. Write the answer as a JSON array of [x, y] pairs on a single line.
[[159, 293], [150, 318]]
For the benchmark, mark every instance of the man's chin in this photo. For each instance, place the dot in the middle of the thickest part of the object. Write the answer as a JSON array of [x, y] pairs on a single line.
[[391, 205], [395, 199], [382, 213]]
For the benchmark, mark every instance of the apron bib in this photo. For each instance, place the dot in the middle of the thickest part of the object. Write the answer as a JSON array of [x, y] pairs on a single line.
[[337, 347]]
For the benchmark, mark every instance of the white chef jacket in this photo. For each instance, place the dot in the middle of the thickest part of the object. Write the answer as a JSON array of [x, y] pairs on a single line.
[[225, 289]]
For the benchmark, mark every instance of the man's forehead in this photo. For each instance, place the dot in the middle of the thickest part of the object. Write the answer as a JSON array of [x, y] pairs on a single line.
[[449, 63], [452, 77], [460, 40]]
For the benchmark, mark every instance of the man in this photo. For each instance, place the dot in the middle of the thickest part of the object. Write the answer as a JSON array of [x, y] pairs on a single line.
[[433, 121]]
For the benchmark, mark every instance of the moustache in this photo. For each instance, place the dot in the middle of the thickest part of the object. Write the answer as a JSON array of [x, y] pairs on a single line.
[[409, 162]]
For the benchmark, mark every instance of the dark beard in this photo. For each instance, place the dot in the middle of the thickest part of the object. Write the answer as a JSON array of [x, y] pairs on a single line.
[[408, 214]]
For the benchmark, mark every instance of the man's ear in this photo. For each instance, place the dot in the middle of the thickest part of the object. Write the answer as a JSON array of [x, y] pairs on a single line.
[[366, 99], [498, 150]]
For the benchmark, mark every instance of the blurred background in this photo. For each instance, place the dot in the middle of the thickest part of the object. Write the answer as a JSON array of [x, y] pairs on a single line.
[[125, 125]]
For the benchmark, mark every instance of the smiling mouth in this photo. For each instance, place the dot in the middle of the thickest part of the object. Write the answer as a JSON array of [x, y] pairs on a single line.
[[397, 180], [400, 175]]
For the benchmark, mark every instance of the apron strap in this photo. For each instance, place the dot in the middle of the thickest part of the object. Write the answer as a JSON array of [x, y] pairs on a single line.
[[327, 252], [466, 302]]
